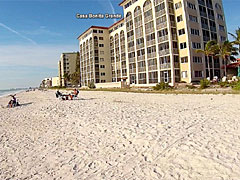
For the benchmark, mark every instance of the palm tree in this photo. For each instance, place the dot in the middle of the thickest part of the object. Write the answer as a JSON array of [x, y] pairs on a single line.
[[226, 51], [236, 38], [208, 51]]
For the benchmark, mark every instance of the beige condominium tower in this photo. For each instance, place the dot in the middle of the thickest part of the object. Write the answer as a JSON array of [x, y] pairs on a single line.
[[67, 66], [156, 41]]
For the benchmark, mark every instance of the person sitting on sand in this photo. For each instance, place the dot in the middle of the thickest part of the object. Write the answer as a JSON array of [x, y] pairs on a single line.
[[58, 94]]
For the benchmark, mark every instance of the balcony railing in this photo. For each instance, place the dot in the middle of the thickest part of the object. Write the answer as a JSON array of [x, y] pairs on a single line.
[[163, 38], [151, 55], [140, 58], [152, 42], [161, 25], [152, 68], [131, 60], [142, 69], [160, 13], [132, 70], [164, 52], [165, 66]]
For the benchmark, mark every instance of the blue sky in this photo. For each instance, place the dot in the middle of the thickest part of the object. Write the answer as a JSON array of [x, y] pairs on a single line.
[[33, 34]]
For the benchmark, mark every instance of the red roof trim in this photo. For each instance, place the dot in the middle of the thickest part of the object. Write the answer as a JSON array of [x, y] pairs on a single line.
[[98, 27], [116, 23]]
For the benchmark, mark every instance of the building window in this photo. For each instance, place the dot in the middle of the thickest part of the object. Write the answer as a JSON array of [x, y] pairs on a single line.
[[102, 66], [94, 31], [184, 74], [184, 59], [103, 81], [179, 18], [100, 38], [178, 5], [198, 74], [220, 17], [197, 59], [181, 32], [196, 45], [101, 45], [183, 45], [102, 73], [101, 59], [195, 32], [223, 38], [193, 18], [100, 31], [101, 52], [221, 28], [191, 6]]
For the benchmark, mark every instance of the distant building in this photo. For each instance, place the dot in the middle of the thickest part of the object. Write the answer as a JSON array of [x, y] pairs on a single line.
[[67, 66], [55, 82], [46, 83], [156, 41]]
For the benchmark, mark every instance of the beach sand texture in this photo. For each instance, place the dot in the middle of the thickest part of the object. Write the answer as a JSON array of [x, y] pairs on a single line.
[[113, 135]]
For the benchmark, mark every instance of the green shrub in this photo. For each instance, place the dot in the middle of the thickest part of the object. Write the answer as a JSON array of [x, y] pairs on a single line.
[[223, 84], [236, 86], [204, 83], [161, 86], [91, 85], [190, 86]]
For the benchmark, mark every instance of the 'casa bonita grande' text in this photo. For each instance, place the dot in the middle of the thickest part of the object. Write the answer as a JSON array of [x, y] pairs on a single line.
[[98, 16]]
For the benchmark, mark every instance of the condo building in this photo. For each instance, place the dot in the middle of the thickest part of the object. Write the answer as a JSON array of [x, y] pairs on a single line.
[[156, 41], [66, 66]]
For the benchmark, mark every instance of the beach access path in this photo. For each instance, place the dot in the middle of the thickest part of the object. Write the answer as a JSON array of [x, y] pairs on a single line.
[[114, 135]]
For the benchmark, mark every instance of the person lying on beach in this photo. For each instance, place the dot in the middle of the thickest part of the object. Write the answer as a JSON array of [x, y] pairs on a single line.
[[58, 94]]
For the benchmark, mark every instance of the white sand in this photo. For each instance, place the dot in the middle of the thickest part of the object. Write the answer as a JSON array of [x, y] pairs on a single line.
[[108, 135]]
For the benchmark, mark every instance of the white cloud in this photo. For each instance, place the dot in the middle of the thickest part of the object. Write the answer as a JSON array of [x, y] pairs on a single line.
[[38, 55]]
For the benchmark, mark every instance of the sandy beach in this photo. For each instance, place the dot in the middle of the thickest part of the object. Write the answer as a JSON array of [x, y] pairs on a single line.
[[114, 135]]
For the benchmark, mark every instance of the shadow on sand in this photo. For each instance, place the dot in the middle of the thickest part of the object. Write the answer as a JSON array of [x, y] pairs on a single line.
[[82, 99], [26, 104]]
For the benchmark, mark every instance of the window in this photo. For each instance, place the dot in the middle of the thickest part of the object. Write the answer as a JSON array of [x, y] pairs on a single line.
[[100, 31], [221, 28], [101, 52], [191, 6], [196, 45], [103, 81], [101, 45], [223, 38], [94, 31], [179, 18], [220, 17], [197, 59], [193, 18], [181, 32], [183, 45], [101, 59], [184, 59], [102, 66], [198, 74], [184, 74], [178, 5], [218, 6], [195, 32], [100, 38], [102, 73]]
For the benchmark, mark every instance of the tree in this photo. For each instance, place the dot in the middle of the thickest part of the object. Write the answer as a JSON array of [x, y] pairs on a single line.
[[208, 51], [67, 78], [226, 51], [236, 38]]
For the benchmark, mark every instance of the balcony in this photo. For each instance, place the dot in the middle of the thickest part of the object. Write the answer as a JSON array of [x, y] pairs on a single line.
[[176, 65], [131, 60], [151, 55], [161, 25], [152, 68], [131, 49], [165, 66], [152, 81], [163, 38], [149, 30], [170, 10], [164, 52], [214, 29], [137, 24], [139, 46], [204, 14], [142, 69], [140, 58], [132, 71], [147, 19], [130, 28], [152, 42], [175, 51], [160, 13], [130, 38]]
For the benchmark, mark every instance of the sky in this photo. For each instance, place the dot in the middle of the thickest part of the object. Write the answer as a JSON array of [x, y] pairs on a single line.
[[34, 33]]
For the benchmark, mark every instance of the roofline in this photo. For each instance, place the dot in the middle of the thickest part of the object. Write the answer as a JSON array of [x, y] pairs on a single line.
[[120, 4], [116, 23], [99, 27]]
